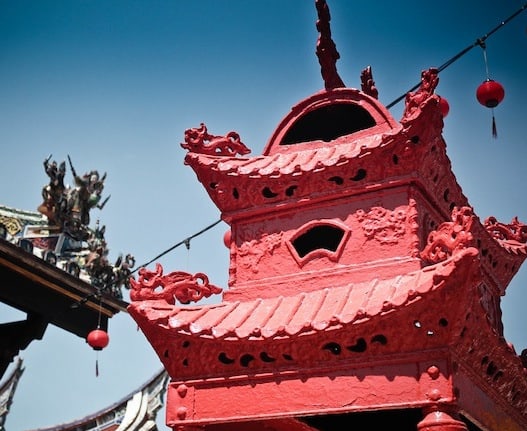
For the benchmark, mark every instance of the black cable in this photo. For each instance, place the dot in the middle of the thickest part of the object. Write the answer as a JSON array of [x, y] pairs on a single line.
[[185, 241], [479, 42]]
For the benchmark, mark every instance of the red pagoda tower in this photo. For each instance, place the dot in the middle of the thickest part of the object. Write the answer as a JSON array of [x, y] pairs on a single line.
[[363, 289]]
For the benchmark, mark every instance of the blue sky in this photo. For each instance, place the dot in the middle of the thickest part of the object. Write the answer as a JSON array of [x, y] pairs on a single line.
[[114, 84]]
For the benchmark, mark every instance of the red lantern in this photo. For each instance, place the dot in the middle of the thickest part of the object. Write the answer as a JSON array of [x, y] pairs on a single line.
[[443, 106], [98, 339], [227, 237], [490, 93]]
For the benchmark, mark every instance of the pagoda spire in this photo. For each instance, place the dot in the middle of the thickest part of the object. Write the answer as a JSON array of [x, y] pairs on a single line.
[[326, 49]]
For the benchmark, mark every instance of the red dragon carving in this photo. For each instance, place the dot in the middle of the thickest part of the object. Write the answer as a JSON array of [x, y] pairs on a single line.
[[198, 140], [514, 231], [450, 236], [414, 101], [177, 285]]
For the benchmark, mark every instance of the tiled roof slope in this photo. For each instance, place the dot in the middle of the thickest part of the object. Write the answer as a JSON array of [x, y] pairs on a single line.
[[305, 312]]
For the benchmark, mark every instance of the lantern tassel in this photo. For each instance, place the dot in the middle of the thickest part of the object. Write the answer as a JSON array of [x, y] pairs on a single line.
[[97, 367], [494, 128]]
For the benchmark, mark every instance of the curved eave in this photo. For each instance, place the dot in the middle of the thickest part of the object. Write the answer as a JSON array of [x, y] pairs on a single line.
[[290, 317], [134, 412], [500, 258], [414, 152], [487, 368], [292, 163]]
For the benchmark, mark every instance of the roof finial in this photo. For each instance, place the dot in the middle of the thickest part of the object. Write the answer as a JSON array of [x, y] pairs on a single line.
[[326, 50]]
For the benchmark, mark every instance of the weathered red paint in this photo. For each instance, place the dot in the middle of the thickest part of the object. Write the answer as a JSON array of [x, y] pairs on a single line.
[[360, 279]]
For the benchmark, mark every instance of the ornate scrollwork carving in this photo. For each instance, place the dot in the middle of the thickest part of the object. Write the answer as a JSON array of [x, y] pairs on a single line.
[[382, 224], [514, 231], [368, 84], [179, 285], [413, 102], [450, 236], [326, 49], [198, 140], [252, 252], [12, 224]]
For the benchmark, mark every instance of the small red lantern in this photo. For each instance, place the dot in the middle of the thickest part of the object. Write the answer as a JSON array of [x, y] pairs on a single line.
[[490, 93], [98, 339], [444, 107], [227, 237]]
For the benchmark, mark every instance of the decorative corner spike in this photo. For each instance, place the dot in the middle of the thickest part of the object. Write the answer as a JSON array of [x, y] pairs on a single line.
[[326, 50]]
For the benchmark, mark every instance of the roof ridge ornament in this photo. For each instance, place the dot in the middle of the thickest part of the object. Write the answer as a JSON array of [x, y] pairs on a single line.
[[368, 84], [450, 237], [326, 49], [415, 101], [177, 285], [199, 140]]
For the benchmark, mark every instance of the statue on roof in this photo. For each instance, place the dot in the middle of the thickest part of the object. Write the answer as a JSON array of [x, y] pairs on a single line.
[[84, 196], [53, 193], [83, 250]]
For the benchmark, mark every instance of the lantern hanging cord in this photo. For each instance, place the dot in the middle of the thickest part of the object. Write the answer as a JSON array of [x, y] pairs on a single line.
[[479, 42], [484, 48], [100, 312]]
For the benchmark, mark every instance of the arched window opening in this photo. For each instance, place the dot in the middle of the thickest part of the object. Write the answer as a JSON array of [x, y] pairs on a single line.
[[325, 237], [328, 123]]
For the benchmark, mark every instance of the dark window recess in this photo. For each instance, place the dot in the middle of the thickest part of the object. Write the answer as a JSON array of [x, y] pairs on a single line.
[[359, 347], [402, 419], [290, 191], [223, 358], [360, 175], [379, 338], [264, 356], [318, 237], [333, 348], [337, 180], [246, 359], [268, 193], [328, 123]]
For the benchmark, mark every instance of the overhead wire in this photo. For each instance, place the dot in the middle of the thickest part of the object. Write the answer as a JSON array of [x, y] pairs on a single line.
[[186, 242], [480, 41]]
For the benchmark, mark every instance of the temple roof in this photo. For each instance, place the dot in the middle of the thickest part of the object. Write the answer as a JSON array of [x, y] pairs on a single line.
[[134, 412], [312, 166], [7, 390], [299, 162], [306, 312]]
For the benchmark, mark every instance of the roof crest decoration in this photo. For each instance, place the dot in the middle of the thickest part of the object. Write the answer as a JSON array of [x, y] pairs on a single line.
[[368, 84], [514, 231], [414, 101], [198, 140], [176, 285], [450, 237], [326, 49]]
